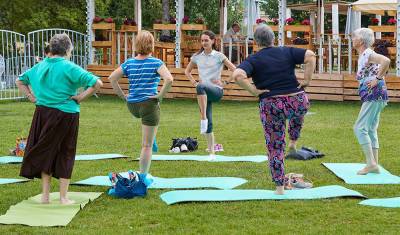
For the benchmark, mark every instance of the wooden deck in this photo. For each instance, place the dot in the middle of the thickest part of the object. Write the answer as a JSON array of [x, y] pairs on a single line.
[[329, 87]]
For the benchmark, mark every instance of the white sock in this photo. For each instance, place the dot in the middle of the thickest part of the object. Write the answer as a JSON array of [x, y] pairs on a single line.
[[203, 126], [212, 157]]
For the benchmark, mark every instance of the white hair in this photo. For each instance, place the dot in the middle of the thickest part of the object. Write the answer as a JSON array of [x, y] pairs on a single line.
[[366, 35]]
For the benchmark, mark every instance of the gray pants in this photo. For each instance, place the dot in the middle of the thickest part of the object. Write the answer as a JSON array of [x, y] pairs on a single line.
[[214, 94]]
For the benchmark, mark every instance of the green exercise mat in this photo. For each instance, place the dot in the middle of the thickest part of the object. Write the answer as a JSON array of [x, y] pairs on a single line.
[[32, 213]]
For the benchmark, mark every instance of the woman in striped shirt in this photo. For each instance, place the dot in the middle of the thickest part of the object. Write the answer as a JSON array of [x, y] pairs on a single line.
[[144, 73]]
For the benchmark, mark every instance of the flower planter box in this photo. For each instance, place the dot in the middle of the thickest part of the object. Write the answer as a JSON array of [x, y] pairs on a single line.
[[274, 28], [298, 28], [104, 26], [198, 27], [129, 28], [164, 26], [383, 28]]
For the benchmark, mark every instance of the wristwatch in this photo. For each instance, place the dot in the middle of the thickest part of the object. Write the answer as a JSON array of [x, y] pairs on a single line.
[[380, 78]]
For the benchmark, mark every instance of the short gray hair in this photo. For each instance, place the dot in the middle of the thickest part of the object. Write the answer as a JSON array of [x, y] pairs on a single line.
[[264, 36], [60, 44], [366, 35]]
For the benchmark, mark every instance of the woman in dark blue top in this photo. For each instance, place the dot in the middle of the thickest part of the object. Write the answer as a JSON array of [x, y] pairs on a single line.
[[281, 95]]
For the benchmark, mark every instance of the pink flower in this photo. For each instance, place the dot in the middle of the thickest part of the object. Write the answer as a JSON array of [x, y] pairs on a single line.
[[391, 21], [108, 20], [275, 21], [172, 20], [305, 22], [289, 21]]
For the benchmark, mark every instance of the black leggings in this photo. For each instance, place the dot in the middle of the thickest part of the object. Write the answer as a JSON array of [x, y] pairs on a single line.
[[214, 94]]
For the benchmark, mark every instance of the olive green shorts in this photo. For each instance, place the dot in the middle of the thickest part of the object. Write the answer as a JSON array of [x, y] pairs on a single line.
[[148, 111]]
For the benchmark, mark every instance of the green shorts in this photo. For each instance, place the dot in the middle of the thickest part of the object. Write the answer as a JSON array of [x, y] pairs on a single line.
[[148, 111]]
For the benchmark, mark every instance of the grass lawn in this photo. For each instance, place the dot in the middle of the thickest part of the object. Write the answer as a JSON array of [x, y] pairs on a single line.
[[107, 127]]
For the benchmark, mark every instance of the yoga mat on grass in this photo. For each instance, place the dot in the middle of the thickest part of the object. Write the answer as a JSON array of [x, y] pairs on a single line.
[[32, 213], [219, 158], [348, 173], [178, 196], [10, 181], [175, 183], [382, 202], [89, 157]]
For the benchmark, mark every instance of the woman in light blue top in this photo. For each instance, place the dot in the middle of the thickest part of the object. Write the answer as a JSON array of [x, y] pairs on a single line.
[[372, 68], [209, 88], [52, 85]]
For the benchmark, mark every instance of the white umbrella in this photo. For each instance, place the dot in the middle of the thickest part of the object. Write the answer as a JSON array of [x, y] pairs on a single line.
[[376, 6]]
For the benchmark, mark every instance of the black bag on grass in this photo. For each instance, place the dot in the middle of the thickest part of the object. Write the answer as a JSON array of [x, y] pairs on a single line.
[[305, 153], [191, 143]]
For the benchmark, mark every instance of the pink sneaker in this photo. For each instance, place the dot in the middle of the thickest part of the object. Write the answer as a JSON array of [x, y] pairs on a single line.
[[217, 148]]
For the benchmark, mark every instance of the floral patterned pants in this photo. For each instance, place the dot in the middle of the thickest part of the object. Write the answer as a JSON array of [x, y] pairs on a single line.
[[274, 111]]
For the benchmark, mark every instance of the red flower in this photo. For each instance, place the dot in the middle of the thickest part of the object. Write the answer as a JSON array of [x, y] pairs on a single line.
[[260, 21], [108, 20], [275, 21], [157, 21], [374, 21], [97, 19], [172, 20], [289, 21], [305, 22], [199, 21], [391, 21], [185, 19]]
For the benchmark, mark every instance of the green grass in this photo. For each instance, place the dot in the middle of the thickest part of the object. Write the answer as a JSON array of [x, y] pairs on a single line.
[[107, 127]]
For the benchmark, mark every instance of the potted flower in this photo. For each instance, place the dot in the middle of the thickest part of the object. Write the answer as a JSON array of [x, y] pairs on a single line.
[[290, 21], [185, 20], [261, 21], [305, 22], [374, 21], [391, 21], [199, 21], [129, 25], [97, 19]]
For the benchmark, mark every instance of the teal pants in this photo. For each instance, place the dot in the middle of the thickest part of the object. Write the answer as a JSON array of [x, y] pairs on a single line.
[[366, 126]]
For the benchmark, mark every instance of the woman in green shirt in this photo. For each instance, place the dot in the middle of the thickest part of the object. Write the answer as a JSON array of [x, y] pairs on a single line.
[[52, 85]]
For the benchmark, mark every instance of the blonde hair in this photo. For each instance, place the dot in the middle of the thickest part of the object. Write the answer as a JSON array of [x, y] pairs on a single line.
[[144, 43]]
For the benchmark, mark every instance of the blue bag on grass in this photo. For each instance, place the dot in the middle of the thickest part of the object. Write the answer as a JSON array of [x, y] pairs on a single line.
[[127, 188]]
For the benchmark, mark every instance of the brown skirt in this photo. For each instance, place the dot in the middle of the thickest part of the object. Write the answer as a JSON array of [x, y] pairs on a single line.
[[51, 145]]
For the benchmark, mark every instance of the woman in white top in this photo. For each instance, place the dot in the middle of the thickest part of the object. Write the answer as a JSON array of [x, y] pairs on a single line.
[[209, 87]]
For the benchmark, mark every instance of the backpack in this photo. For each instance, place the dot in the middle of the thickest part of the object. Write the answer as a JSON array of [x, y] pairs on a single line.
[[191, 144], [305, 153], [127, 187]]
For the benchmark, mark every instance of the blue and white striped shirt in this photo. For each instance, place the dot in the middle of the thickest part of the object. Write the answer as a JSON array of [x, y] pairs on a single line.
[[143, 78]]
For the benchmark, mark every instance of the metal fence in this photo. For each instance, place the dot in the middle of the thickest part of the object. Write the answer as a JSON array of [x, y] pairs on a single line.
[[19, 53]]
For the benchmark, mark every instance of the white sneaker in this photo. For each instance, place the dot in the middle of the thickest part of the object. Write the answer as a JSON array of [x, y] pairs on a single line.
[[212, 157], [203, 126], [184, 148]]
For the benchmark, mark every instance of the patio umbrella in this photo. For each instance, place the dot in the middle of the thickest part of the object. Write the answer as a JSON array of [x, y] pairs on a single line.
[[376, 6]]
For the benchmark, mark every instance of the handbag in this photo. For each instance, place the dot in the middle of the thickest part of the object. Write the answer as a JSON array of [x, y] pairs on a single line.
[[127, 188]]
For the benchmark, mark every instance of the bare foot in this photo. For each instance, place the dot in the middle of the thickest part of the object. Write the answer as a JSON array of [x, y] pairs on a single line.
[[369, 169], [66, 201], [45, 200]]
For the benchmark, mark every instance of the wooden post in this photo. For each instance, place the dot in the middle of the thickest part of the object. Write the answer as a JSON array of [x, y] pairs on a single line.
[[179, 10], [378, 35]]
